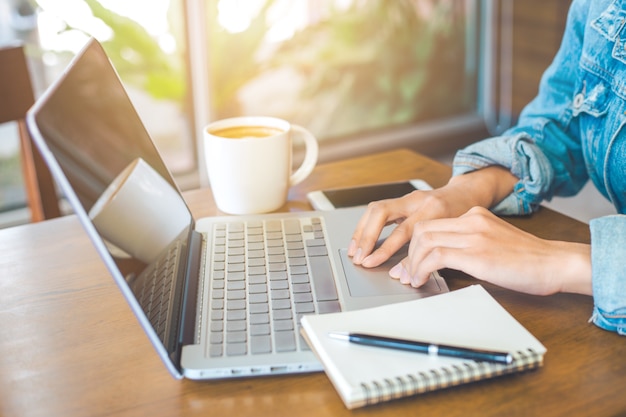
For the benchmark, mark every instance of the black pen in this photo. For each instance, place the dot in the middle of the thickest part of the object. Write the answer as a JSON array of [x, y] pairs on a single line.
[[424, 347]]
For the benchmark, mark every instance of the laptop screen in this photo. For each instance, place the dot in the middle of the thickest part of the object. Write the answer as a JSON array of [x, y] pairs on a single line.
[[93, 139]]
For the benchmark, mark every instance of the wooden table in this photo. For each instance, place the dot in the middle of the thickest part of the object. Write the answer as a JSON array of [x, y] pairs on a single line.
[[70, 346]]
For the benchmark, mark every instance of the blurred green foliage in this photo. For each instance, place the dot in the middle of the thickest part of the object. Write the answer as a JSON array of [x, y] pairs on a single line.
[[391, 64], [138, 57]]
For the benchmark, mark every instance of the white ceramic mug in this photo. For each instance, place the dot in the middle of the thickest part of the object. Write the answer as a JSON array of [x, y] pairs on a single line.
[[140, 213], [249, 161]]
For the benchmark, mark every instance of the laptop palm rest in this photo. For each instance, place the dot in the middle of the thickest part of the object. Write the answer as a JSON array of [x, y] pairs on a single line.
[[371, 282]]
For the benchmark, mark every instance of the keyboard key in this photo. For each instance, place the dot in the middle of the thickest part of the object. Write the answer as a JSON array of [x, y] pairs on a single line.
[[236, 295], [279, 285], [297, 262], [296, 253], [237, 259], [260, 344], [284, 314], [300, 278], [278, 275], [257, 298], [215, 351], [259, 308], [256, 261], [317, 251], [216, 338], [256, 246], [285, 341], [273, 225], [235, 285], [280, 294], [276, 250], [325, 307], [305, 287], [236, 305], [236, 337], [236, 349], [257, 279], [257, 270], [281, 304], [259, 318], [260, 253], [236, 326], [236, 276], [302, 297], [274, 259], [235, 243], [305, 308], [292, 226], [235, 268], [259, 329], [257, 289], [274, 236], [298, 270], [236, 315], [324, 282]]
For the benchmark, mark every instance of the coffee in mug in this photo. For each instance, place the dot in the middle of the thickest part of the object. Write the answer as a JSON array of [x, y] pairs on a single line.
[[249, 162], [246, 132]]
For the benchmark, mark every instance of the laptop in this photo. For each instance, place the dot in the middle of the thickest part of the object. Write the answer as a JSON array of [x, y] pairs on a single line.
[[211, 306]]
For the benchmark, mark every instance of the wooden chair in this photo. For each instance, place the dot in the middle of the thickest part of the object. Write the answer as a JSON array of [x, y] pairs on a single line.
[[16, 97]]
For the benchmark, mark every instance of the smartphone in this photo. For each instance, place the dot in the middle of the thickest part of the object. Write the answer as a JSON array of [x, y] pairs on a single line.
[[331, 199]]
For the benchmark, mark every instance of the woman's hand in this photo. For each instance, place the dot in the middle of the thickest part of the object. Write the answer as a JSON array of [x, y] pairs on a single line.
[[488, 248], [484, 188]]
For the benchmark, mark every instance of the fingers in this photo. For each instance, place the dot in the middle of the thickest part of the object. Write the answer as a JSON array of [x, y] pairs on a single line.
[[479, 244], [406, 211], [444, 243], [368, 230], [431, 251], [398, 238]]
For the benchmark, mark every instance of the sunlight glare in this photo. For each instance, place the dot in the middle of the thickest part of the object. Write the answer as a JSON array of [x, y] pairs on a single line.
[[235, 15]]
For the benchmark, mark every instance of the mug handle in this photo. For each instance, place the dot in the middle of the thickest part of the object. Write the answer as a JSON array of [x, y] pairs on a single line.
[[310, 157]]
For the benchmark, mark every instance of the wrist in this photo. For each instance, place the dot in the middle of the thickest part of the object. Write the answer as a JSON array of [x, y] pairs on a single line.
[[574, 268], [485, 187]]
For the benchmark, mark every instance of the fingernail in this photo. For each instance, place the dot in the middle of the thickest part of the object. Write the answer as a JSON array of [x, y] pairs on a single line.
[[357, 256], [396, 271], [405, 278], [352, 247]]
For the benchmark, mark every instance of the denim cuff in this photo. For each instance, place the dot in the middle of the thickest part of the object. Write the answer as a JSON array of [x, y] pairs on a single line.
[[523, 158], [608, 264]]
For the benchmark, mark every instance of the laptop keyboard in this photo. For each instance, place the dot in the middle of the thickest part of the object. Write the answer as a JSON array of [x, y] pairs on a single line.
[[154, 286], [262, 284]]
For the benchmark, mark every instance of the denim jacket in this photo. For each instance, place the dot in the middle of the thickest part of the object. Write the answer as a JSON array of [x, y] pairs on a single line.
[[571, 132]]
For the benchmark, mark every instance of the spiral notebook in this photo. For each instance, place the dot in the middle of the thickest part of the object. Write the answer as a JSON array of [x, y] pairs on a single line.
[[468, 317]]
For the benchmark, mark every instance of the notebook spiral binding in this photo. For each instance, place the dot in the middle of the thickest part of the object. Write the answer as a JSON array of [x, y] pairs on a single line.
[[411, 384]]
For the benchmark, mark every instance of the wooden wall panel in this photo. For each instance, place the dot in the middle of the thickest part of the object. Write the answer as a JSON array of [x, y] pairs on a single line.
[[537, 31]]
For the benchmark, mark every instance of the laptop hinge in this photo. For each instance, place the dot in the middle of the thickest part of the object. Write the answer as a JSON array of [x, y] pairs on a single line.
[[190, 298]]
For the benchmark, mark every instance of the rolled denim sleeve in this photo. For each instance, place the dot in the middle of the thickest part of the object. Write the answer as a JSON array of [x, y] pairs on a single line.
[[523, 158], [608, 264]]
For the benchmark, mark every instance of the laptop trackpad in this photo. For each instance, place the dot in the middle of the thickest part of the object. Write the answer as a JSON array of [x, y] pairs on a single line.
[[369, 282]]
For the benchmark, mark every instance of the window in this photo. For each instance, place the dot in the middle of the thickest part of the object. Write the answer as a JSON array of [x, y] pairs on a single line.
[[359, 74], [363, 75], [146, 42]]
